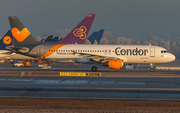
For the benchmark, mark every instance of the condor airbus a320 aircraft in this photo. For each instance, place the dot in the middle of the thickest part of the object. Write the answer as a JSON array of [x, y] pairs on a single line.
[[113, 56]]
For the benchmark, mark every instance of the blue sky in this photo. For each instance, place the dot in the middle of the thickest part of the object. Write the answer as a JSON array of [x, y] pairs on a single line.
[[128, 18]]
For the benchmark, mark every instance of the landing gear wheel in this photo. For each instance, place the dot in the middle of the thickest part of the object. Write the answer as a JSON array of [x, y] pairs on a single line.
[[94, 68], [152, 70]]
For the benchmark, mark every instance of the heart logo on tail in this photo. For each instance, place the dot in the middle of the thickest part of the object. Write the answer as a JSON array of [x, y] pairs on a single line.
[[20, 36]]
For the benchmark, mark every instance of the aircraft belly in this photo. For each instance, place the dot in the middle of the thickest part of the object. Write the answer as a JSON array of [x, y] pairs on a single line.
[[68, 60], [144, 60]]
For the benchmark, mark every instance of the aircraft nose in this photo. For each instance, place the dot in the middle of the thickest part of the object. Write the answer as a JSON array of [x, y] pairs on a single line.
[[172, 57]]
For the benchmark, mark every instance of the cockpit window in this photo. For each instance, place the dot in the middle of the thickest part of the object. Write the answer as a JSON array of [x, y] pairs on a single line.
[[164, 51]]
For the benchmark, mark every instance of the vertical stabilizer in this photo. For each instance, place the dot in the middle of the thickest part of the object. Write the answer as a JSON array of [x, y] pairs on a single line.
[[22, 36], [96, 36], [80, 32], [99, 35], [6, 40]]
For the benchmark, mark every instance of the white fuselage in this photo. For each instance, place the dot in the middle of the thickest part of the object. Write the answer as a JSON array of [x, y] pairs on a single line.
[[136, 54], [139, 54]]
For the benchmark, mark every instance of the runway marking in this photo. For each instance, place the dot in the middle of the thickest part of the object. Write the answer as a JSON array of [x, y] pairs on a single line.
[[118, 80], [79, 74], [127, 82], [169, 89], [89, 98], [11, 78], [90, 81], [74, 81]]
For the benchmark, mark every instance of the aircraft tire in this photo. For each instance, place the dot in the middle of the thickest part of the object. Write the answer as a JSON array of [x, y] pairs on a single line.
[[94, 69], [152, 70]]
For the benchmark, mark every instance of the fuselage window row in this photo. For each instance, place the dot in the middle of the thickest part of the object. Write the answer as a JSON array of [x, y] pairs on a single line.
[[89, 51]]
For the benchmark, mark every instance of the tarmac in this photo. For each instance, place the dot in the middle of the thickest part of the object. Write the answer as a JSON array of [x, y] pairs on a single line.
[[33, 89], [102, 88], [126, 84]]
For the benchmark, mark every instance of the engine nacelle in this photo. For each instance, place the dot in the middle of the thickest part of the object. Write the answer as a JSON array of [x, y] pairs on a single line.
[[115, 63]]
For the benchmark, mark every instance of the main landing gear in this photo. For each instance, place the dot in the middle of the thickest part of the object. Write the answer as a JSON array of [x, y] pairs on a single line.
[[151, 69], [94, 68]]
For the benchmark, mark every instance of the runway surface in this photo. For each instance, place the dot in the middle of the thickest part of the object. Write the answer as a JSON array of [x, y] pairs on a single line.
[[134, 84], [158, 89], [142, 72]]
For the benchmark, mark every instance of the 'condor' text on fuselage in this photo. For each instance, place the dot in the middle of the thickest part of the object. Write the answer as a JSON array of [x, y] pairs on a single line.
[[134, 52]]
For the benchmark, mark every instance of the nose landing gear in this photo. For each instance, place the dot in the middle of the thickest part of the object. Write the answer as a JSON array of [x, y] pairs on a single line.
[[151, 69]]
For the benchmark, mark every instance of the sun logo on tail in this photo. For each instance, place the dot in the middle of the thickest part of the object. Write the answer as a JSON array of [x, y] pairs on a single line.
[[7, 40], [20, 36], [80, 32]]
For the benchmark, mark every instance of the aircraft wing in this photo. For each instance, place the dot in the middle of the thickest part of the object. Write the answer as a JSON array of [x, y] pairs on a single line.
[[96, 58]]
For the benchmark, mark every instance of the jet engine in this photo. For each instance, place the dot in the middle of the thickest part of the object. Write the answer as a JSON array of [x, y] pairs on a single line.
[[114, 63]]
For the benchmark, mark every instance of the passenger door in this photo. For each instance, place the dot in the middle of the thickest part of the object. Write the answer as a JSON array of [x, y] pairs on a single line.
[[152, 52], [40, 50]]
